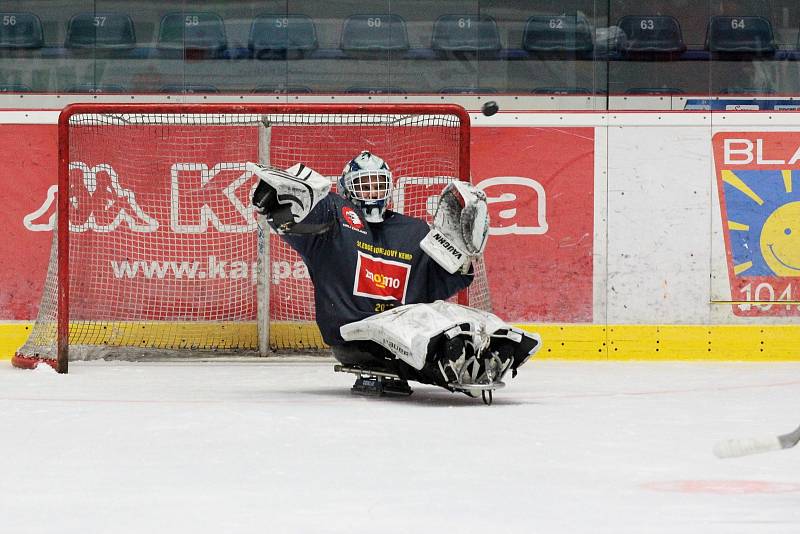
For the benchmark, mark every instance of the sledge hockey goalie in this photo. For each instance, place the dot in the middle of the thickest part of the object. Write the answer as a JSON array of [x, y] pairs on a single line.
[[381, 279]]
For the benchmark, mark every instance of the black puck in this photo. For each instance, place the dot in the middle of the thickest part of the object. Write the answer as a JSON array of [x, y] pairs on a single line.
[[490, 108]]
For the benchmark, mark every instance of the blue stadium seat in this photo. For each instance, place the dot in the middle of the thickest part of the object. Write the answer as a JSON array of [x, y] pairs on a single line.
[[558, 34], [650, 35], [465, 33], [740, 35], [562, 91], [15, 88], [188, 89], [653, 91], [195, 31], [270, 34], [467, 90], [375, 90], [374, 33], [20, 30], [96, 89], [282, 89], [101, 30]]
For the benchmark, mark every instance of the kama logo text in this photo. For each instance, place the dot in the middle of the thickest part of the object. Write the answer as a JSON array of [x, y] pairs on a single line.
[[200, 198], [195, 196]]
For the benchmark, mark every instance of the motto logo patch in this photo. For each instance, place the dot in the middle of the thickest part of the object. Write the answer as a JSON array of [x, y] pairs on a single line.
[[381, 279], [352, 220]]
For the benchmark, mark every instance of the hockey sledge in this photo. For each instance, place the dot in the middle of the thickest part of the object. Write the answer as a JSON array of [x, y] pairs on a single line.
[[379, 379], [375, 383]]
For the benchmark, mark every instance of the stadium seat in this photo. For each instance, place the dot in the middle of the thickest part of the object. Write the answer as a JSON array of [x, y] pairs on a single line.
[[467, 90], [15, 88], [279, 34], [20, 30], [653, 91], [195, 31], [740, 35], [561, 34], [96, 89], [375, 90], [374, 33], [650, 35], [281, 89], [101, 30], [465, 33], [188, 89], [562, 91]]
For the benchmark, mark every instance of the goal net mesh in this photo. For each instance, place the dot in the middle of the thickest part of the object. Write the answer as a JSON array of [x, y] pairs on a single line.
[[164, 244]]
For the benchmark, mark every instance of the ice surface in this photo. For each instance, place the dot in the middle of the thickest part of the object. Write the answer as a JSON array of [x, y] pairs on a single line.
[[568, 447]]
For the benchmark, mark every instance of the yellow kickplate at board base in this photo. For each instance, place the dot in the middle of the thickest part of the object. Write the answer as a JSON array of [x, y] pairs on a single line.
[[669, 342], [559, 341]]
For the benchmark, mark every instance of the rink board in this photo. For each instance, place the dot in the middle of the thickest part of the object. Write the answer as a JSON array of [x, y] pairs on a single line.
[[615, 235]]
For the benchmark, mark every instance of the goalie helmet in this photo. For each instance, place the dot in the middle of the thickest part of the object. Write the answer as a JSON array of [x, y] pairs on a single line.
[[367, 181]]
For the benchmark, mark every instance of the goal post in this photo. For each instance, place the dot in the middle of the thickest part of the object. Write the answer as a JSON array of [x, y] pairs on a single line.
[[157, 251]]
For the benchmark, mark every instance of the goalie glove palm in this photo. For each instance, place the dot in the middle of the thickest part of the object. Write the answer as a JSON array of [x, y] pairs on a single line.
[[287, 197], [460, 227]]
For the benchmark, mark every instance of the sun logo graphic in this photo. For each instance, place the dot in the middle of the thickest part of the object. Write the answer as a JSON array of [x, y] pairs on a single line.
[[758, 178]]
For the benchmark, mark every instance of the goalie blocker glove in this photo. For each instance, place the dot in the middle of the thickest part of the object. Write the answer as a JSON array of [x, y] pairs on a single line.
[[460, 227], [287, 197]]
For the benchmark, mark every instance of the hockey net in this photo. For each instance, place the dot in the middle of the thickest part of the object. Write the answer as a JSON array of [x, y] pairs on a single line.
[[157, 249]]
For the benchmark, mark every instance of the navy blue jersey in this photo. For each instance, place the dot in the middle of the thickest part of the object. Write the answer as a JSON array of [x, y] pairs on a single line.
[[359, 269]]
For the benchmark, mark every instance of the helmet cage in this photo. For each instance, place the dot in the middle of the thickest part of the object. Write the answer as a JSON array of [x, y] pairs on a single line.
[[370, 189], [369, 185]]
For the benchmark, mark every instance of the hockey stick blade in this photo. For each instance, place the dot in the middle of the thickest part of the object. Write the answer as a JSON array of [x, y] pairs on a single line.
[[733, 448]]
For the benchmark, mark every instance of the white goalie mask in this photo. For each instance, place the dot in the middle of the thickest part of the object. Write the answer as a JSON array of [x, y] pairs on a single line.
[[367, 181]]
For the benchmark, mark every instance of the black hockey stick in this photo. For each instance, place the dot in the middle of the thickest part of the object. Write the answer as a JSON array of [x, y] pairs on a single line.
[[732, 448]]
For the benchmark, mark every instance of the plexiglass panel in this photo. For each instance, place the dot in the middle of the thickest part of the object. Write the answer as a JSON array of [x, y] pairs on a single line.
[[402, 47]]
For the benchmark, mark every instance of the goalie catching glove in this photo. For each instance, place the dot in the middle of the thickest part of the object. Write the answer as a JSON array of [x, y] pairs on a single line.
[[287, 197], [460, 227]]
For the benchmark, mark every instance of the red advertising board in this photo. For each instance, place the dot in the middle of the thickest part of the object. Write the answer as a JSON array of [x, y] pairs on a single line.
[[540, 185], [539, 182], [29, 156]]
